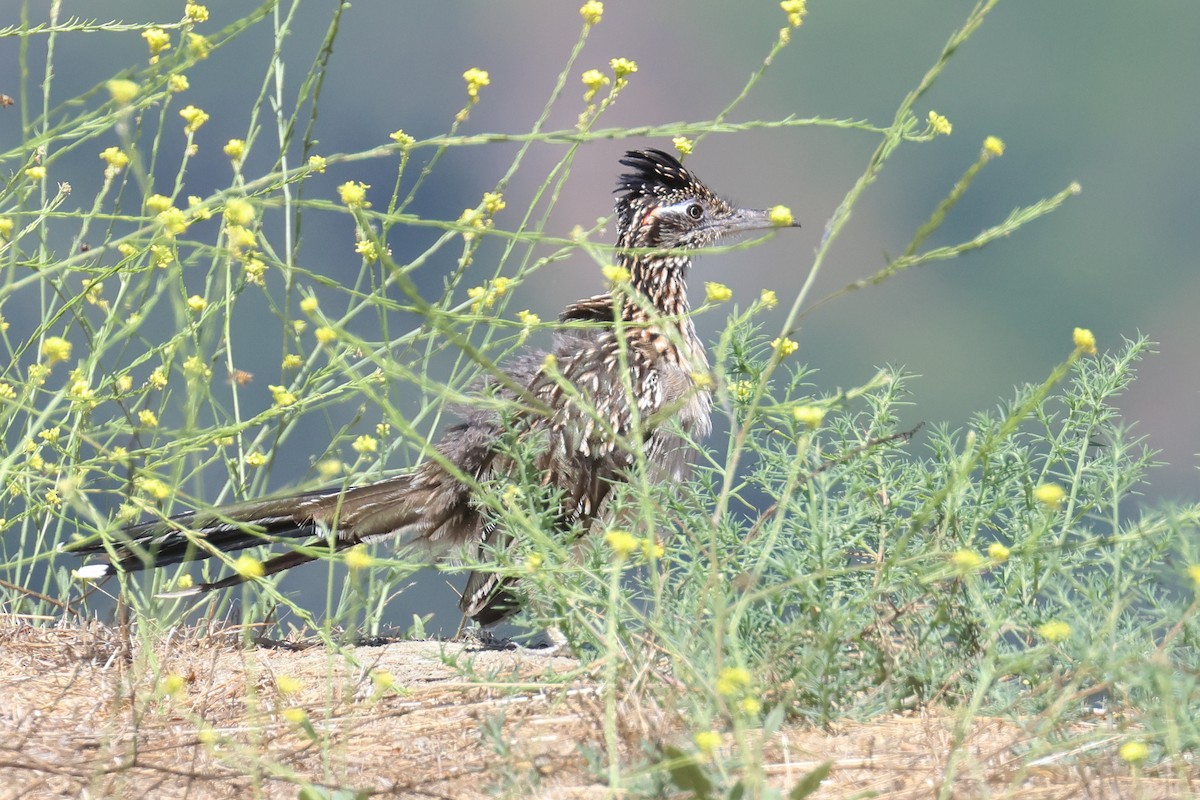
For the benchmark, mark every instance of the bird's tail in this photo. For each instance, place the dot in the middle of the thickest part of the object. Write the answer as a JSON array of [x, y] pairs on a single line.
[[329, 521]]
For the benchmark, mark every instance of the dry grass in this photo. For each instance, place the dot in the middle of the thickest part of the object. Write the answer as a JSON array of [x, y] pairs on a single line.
[[85, 716]]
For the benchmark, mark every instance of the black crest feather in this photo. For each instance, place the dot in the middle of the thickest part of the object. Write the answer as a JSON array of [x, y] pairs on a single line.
[[658, 177]]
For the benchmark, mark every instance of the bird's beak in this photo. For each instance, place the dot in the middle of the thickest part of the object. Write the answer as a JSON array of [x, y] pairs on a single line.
[[744, 220]]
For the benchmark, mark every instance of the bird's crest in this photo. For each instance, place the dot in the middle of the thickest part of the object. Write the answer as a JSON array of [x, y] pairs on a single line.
[[657, 179]]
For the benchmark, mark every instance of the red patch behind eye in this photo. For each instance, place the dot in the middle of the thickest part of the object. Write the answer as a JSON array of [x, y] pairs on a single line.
[[646, 217]]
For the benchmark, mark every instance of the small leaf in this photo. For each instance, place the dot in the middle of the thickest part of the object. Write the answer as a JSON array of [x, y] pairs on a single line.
[[686, 773], [810, 782]]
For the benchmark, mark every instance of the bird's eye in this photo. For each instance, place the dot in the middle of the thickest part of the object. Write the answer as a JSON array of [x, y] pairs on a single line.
[[695, 211]]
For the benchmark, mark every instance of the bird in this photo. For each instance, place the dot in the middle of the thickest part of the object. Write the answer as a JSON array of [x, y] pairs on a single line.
[[624, 370]]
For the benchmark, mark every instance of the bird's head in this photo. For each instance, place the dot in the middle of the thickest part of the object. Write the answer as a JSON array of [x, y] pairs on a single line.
[[663, 205]]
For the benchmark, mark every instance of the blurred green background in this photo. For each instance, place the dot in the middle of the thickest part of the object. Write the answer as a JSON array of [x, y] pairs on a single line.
[[1102, 93]]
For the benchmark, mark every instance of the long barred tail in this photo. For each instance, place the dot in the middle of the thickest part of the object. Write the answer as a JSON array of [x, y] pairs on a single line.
[[396, 507], [199, 535]]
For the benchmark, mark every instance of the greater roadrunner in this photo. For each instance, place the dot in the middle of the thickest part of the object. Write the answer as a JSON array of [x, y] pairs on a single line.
[[576, 405]]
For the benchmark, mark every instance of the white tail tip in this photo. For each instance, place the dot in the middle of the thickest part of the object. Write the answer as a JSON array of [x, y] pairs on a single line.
[[92, 572]]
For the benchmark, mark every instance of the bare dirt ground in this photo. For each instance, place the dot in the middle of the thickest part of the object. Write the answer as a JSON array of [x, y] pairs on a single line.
[[83, 715]]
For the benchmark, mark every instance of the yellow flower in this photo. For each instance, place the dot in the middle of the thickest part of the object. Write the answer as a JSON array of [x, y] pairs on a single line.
[[6, 227], [533, 562], [158, 378], [795, 10], [733, 680], [158, 203], [493, 203], [292, 361], [966, 560], [7, 392], [354, 194], [1194, 573], [158, 40], [239, 211], [317, 163], [743, 390], [365, 444], [683, 144], [998, 552], [368, 250], [993, 146], [286, 684], [194, 117], [195, 205], [940, 124], [809, 416], [295, 715], [1054, 631], [768, 299], [1133, 752], [36, 173], [591, 11], [148, 418], [153, 487], [194, 13], [329, 468], [325, 334], [651, 549], [254, 270], [198, 46], [162, 255], [299, 326], [56, 349], [282, 396], [593, 79], [358, 558], [1050, 495], [615, 274], [528, 318], [717, 292], [116, 159], [255, 459], [309, 305], [123, 384], [1085, 341], [239, 237], [122, 91], [476, 79], [750, 706], [235, 149], [785, 347], [622, 67], [401, 138], [473, 218], [781, 216], [248, 567], [173, 683], [178, 83], [707, 742], [185, 582], [383, 679], [174, 222], [50, 435], [197, 303], [623, 543], [194, 367]]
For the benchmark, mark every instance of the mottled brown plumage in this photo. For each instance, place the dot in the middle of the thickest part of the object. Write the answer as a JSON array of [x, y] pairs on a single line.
[[584, 435]]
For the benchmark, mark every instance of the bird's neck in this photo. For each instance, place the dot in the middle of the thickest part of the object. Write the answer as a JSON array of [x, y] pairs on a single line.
[[658, 309], [660, 287]]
